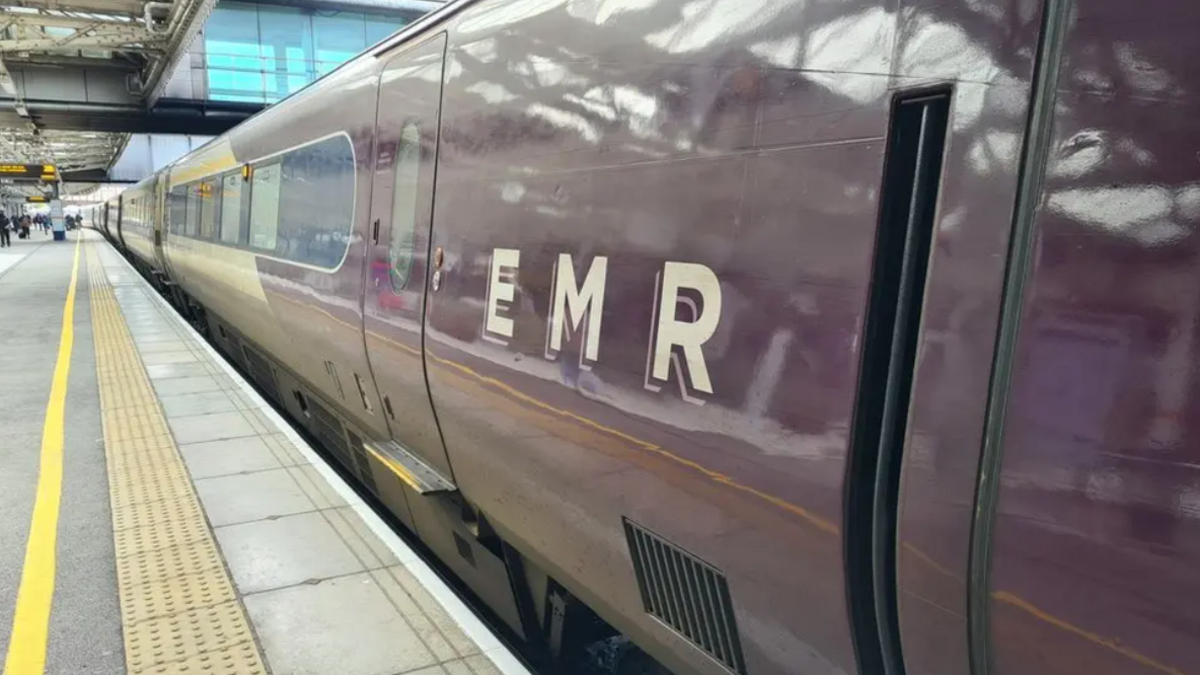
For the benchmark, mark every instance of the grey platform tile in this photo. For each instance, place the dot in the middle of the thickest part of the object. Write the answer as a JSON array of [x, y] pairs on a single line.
[[213, 427], [159, 358], [153, 335], [283, 449], [362, 541], [246, 402], [137, 316], [227, 457], [202, 403], [316, 487], [161, 346], [168, 334], [243, 498], [148, 326], [272, 554], [185, 385], [257, 419], [176, 370], [482, 665], [472, 665], [157, 337], [228, 382], [344, 626], [262, 417], [427, 617], [431, 670]]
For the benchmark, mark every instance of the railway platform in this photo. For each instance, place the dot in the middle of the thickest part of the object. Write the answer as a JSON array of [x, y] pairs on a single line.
[[160, 517]]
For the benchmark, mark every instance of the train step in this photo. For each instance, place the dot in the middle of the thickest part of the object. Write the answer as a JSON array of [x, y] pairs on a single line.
[[409, 467]]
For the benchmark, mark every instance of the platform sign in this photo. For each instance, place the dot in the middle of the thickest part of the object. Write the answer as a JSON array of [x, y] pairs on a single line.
[[57, 223], [39, 171], [39, 199]]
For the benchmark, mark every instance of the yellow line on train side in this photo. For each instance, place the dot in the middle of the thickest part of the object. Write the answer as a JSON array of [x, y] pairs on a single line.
[[1109, 643], [31, 620], [822, 524]]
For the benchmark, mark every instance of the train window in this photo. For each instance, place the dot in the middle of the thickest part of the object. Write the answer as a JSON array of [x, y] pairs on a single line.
[[264, 206], [316, 202], [231, 208], [208, 209], [192, 222], [404, 206], [178, 209]]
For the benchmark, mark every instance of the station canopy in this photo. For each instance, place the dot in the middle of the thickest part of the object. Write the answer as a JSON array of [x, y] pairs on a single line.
[[138, 40]]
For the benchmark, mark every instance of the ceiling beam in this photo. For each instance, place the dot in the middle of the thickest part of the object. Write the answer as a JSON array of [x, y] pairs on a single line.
[[132, 7], [100, 37], [186, 20], [60, 21], [6, 81]]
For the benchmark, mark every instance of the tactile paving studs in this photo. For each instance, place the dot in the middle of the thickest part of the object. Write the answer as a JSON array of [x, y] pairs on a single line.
[[185, 635], [132, 541], [240, 659], [150, 451], [152, 488], [172, 596], [179, 611], [129, 476], [198, 557], [154, 514]]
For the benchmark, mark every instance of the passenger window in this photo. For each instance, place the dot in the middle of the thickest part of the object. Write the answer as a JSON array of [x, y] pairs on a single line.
[[231, 209], [208, 211], [178, 209], [193, 210], [264, 206], [317, 203], [404, 206]]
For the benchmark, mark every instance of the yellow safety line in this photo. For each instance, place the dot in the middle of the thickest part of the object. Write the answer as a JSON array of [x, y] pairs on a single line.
[[31, 620]]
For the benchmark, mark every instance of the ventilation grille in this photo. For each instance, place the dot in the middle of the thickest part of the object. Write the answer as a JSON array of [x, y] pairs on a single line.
[[233, 347], [360, 457], [687, 594], [260, 370], [328, 430]]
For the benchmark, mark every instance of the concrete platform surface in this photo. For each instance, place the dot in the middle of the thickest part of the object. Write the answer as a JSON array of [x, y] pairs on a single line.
[[194, 530]]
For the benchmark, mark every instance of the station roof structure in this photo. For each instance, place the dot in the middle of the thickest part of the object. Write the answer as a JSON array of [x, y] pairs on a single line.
[[78, 76], [71, 59]]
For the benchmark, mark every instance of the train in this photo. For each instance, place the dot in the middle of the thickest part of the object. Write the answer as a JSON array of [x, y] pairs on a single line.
[[760, 337]]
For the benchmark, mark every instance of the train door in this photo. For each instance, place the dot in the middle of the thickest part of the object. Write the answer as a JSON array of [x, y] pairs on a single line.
[[927, 350], [120, 210], [156, 215], [394, 296]]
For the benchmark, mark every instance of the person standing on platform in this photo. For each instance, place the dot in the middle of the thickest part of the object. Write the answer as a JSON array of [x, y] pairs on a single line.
[[5, 237]]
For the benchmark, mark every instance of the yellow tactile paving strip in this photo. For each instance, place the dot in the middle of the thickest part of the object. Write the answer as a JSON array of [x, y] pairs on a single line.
[[179, 612]]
